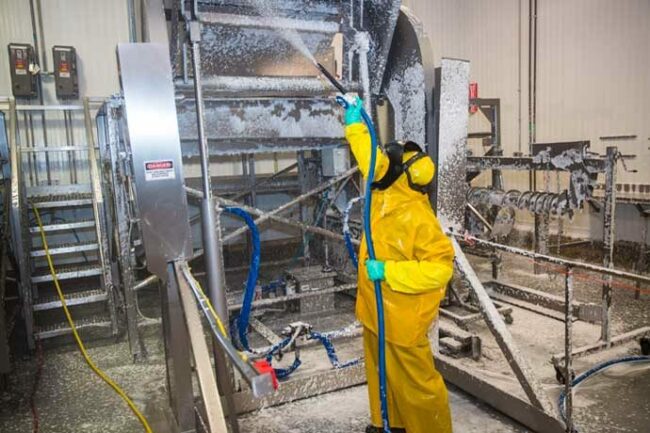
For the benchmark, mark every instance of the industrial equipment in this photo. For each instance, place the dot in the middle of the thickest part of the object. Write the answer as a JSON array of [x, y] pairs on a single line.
[[66, 78], [23, 71]]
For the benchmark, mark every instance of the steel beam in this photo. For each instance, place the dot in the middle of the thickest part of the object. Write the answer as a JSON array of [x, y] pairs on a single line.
[[557, 260], [523, 371], [503, 401], [609, 232], [304, 387], [287, 221], [453, 118], [589, 349], [202, 363], [527, 163]]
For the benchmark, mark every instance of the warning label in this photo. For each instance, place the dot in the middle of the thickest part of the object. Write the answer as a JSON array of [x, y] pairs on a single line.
[[159, 170], [21, 67]]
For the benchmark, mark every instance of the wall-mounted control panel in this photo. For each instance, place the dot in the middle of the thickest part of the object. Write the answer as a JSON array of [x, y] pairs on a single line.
[[22, 71], [66, 78]]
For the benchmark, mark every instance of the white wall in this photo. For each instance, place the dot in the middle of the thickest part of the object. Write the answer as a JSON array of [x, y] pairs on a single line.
[[93, 27], [593, 79]]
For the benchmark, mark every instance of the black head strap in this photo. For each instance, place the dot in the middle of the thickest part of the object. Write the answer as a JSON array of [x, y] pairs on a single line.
[[395, 152]]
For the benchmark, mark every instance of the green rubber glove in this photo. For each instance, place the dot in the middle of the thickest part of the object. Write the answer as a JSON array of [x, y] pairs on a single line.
[[353, 112], [376, 270]]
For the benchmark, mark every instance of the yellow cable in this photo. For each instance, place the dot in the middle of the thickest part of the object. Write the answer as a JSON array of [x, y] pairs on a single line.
[[222, 328], [80, 343], [205, 299]]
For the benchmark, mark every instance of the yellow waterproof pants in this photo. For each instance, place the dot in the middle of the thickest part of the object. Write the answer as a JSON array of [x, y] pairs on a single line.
[[417, 395]]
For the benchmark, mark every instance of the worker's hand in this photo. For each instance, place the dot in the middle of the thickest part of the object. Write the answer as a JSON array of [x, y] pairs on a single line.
[[353, 112], [375, 270]]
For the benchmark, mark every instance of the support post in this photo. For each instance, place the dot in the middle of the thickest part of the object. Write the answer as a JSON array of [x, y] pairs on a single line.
[[177, 350], [211, 228], [641, 261], [609, 230], [568, 348]]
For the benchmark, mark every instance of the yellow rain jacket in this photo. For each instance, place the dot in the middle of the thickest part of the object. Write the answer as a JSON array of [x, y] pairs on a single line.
[[408, 237]]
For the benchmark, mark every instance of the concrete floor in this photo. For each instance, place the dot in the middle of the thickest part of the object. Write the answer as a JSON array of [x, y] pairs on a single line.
[[346, 411], [71, 399]]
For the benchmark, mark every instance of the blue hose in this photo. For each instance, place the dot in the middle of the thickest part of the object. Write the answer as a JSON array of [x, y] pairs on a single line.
[[239, 325], [251, 281], [331, 351], [346, 231], [383, 387], [595, 370]]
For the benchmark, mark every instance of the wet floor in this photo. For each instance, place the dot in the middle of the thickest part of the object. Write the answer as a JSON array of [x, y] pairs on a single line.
[[71, 399], [617, 400]]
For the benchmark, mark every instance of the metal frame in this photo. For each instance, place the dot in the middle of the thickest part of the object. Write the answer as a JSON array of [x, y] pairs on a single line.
[[100, 217], [120, 212], [56, 198], [563, 362]]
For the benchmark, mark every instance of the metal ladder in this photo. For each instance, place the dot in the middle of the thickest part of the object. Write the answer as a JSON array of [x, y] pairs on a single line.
[[73, 221]]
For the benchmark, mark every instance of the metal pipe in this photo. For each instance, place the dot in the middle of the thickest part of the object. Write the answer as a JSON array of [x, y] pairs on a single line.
[[311, 26], [39, 14], [568, 348], [213, 259], [260, 384], [211, 228], [556, 260], [266, 180], [302, 86], [478, 215], [295, 201], [130, 8], [282, 220], [146, 282], [49, 107], [609, 231], [294, 297]]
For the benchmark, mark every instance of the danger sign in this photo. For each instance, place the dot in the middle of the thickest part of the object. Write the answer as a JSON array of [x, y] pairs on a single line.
[[159, 170]]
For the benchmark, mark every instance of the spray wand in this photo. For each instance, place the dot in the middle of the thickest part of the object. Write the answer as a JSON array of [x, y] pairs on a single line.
[[345, 103], [331, 78]]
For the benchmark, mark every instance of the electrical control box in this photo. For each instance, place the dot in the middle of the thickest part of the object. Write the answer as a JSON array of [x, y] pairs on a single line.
[[336, 161], [66, 78], [21, 65]]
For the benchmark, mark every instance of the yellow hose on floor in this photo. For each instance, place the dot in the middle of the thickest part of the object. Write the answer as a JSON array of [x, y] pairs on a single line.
[[80, 343]]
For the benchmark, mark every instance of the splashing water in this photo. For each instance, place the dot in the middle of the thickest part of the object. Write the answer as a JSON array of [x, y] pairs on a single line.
[[268, 10]]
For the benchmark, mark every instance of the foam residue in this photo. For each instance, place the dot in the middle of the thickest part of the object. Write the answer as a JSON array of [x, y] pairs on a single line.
[[406, 94]]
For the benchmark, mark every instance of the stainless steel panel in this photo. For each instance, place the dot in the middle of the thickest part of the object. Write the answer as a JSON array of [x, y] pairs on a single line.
[[235, 126], [453, 118], [152, 126]]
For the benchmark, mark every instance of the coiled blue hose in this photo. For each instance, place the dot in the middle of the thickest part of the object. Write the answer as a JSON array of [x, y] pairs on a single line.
[[239, 325], [595, 370], [383, 387]]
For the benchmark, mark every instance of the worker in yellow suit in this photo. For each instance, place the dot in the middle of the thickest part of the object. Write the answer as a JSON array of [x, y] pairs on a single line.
[[414, 263]]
